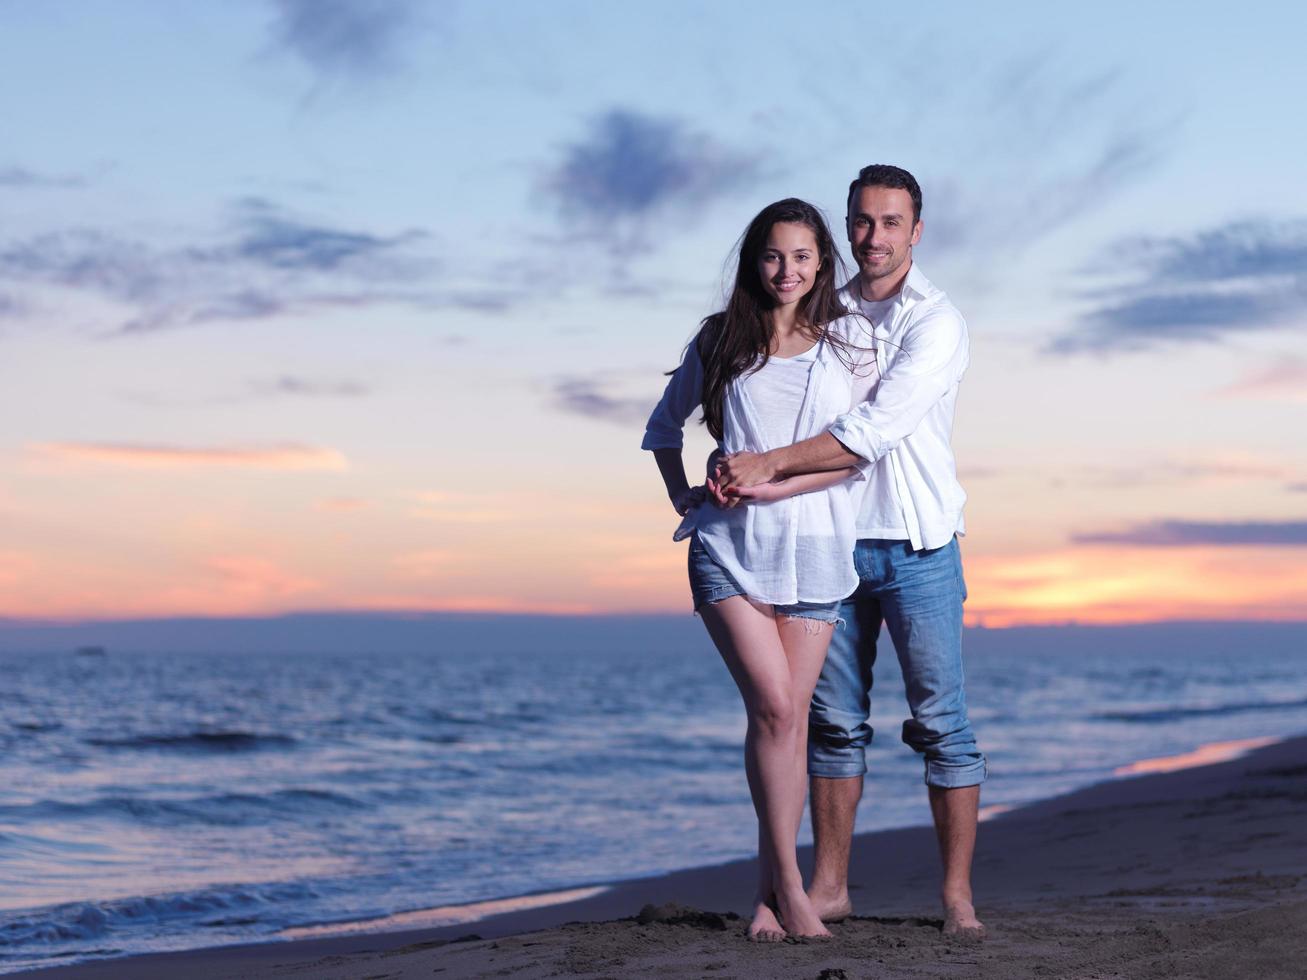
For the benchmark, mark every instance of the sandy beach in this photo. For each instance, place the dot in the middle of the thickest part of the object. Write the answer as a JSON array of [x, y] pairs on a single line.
[[1196, 873]]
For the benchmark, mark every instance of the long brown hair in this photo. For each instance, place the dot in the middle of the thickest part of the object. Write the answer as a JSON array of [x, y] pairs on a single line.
[[740, 337]]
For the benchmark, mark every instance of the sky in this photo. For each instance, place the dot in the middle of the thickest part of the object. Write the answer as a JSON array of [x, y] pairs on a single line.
[[346, 305]]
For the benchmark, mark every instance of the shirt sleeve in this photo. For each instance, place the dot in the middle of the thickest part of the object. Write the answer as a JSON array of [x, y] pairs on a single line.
[[932, 361], [683, 394]]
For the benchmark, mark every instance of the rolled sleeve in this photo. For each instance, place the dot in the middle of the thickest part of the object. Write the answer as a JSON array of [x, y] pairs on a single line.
[[684, 393], [932, 360]]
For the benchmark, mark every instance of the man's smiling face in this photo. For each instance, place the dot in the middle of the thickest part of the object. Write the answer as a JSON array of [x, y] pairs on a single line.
[[882, 230]]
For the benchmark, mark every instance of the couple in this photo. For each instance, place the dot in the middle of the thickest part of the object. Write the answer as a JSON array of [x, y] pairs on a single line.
[[833, 507]]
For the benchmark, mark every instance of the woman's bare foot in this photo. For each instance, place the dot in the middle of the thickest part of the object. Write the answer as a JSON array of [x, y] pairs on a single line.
[[765, 928], [800, 918], [960, 921]]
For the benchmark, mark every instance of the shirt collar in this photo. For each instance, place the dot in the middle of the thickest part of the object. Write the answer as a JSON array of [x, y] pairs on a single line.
[[915, 286]]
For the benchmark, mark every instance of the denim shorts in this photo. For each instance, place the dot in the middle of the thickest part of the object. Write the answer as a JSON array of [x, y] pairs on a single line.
[[710, 583]]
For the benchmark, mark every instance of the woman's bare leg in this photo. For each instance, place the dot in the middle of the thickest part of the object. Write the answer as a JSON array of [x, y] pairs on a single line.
[[749, 640], [805, 642]]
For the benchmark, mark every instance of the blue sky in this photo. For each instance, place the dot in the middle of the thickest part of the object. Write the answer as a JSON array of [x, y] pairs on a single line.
[[361, 304]]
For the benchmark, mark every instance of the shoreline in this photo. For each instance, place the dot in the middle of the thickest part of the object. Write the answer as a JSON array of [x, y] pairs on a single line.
[[1170, 843]]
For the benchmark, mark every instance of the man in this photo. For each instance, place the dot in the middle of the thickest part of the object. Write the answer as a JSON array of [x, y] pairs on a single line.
[[907, 554]]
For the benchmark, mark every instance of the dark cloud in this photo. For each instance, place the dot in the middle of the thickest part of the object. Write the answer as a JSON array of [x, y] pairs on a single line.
[[631, 169], [22, 177], [585, 397], [266, 264], [288, 384], [1240, 277], [271, 238], [344, 38], [1230, 534], [1299, 487]]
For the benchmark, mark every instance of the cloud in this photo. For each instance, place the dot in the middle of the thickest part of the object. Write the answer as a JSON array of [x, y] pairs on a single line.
[[1236, 468], [466, 508], [1297, 487], [266, 263], [584, 397], [252, 577], [427, 564], [1240, 277], [340, 505], [270, 238], [139, 456], [1044, 147], [353, 39], [631, 169], [304, 387], [24, 178], [1227, 534], [1286, 380]]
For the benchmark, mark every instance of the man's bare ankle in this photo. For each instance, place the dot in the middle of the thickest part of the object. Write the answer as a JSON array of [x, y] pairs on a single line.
[[832, 902]]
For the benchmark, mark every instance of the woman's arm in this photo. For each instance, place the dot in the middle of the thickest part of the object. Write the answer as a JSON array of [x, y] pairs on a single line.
[[672, 467], [790, 486]]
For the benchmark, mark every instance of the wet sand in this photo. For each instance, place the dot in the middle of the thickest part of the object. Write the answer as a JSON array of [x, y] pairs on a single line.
[[1196, 873]]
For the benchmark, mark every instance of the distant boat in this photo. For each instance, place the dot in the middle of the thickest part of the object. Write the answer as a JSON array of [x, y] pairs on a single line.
[[90, 651]]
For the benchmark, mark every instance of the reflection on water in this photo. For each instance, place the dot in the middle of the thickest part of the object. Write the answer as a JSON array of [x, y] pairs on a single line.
[[446, 915], [1204, 755]]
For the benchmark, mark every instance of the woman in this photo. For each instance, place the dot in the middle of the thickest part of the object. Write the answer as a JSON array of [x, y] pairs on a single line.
[[776, 366]]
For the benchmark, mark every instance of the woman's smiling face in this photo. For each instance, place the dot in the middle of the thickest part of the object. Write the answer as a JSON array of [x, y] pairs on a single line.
[[789, 262]]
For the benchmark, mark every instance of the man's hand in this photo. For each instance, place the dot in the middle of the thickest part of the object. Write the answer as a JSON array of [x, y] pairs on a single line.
[[745, 470]]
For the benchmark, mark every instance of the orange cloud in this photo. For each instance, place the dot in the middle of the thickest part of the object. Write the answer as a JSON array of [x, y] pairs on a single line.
[[1125, 585], [469, 603], [286, 456], [254, 578], [340, 504], [425, 564], [466, 508], [13, 566]]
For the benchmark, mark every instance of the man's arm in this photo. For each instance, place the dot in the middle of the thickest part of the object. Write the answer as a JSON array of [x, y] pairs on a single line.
[[933, 357], [818, 454]]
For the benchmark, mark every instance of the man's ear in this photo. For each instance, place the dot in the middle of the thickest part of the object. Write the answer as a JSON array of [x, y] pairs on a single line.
[[916, 232]]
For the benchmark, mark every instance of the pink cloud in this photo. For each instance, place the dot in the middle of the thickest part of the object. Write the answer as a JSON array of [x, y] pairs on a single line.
[[283, 456], [1285, 381]]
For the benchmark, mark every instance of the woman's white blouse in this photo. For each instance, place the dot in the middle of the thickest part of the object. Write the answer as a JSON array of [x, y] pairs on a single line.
[[784, 551]]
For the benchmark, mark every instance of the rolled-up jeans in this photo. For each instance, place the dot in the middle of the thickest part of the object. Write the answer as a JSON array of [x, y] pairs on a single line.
[[918, 595]]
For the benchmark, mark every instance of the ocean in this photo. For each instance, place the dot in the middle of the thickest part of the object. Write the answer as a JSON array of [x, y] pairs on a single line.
[[159, 800]]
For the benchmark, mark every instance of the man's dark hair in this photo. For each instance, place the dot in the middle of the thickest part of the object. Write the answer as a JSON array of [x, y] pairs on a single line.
[[884, 175]]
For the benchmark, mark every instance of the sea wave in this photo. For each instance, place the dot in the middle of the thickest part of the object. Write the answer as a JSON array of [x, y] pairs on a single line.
[[1158, 715], [222, 809], [78, 922], [202, 741]]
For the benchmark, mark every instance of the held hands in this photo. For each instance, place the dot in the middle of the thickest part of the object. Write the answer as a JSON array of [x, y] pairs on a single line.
[[728, 497], [741, 470]]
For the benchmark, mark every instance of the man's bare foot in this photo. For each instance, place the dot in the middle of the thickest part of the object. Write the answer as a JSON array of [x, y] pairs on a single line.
[[960, 922], [800, 918], [831, 906], [765, 928]]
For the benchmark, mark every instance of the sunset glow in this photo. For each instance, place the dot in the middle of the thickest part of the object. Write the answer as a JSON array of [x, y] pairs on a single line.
[[382, 334]]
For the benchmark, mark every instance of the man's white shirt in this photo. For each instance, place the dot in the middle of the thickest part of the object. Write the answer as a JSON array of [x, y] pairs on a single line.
[[904, 430]]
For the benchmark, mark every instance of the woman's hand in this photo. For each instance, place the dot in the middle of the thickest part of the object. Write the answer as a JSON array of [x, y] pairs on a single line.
[[688, 499], [760, 493]]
